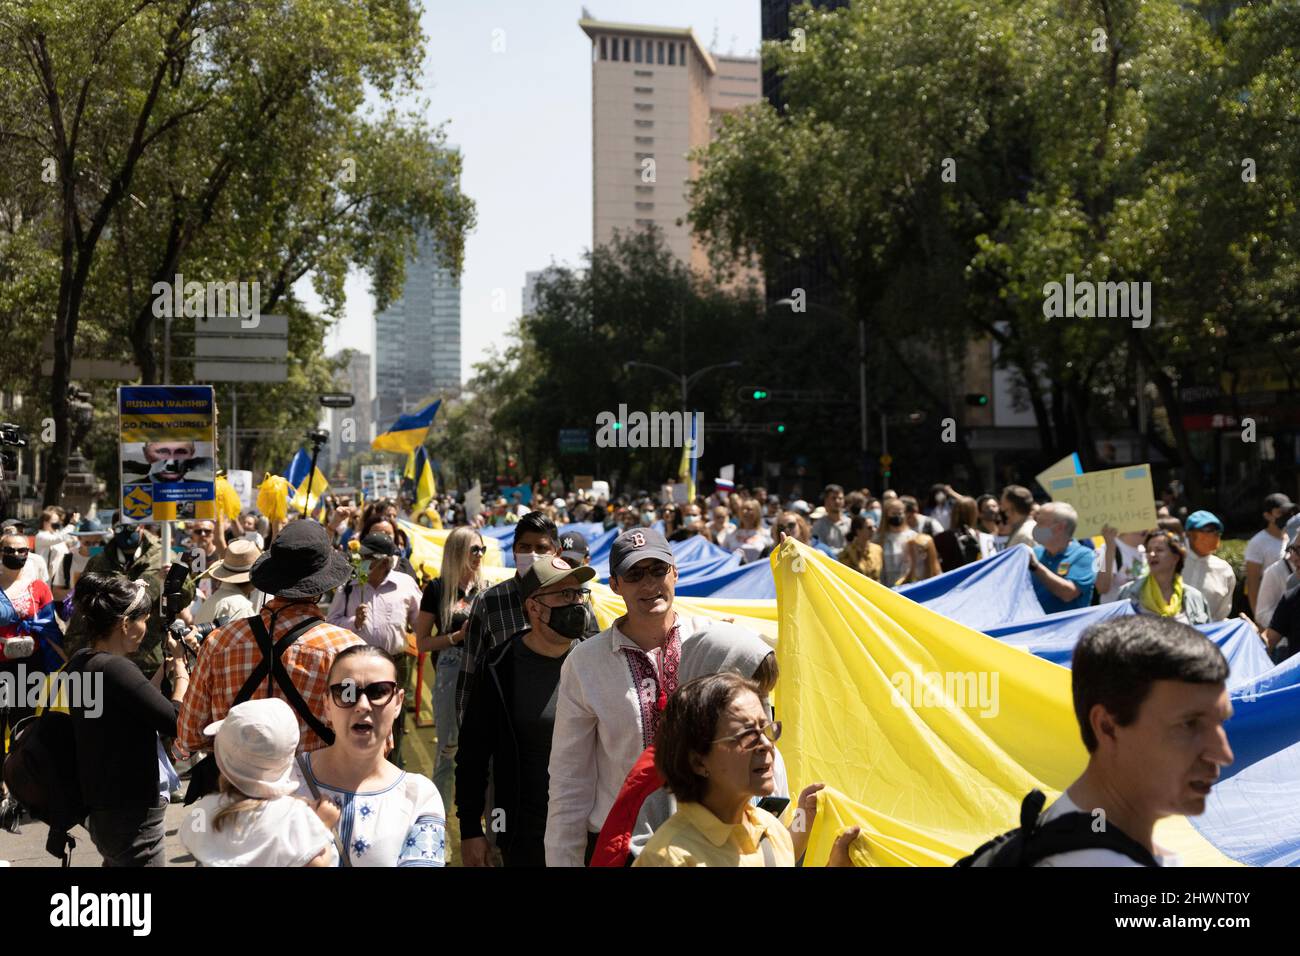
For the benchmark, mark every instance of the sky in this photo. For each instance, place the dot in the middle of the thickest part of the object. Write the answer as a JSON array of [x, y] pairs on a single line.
[[522, 120]]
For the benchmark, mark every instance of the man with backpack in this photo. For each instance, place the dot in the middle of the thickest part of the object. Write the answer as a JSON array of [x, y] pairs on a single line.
[[1151, 700], [285, 651]]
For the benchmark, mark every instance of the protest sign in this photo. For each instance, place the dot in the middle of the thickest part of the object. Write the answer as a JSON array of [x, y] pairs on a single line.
[[242, 482], [1069, 465], [1121, 497], [168, 439]]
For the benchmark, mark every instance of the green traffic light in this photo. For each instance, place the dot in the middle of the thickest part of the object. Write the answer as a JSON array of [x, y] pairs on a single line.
[[780, 429], [759, 395]]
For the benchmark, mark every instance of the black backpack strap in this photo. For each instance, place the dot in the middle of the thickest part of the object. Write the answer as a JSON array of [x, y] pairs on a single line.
[[271, 667], [1071, 832]]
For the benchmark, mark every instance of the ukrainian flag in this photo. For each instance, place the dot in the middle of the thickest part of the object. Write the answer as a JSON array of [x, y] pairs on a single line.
[[425, 486], [408, 432], [319, 485], [298, 469]]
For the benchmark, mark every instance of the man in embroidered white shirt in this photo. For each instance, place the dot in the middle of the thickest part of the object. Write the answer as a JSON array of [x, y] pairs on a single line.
[[613, 688]]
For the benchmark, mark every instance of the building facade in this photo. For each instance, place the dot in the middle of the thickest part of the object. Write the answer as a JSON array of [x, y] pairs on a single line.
[[354, 377], [656, 96], [417, 338]]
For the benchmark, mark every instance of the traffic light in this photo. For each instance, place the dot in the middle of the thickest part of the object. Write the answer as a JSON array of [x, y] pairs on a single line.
[[754, 393], [977, 399], [778, 427]]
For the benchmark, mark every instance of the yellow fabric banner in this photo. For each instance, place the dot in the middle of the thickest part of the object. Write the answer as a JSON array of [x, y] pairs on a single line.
[[926, 733]]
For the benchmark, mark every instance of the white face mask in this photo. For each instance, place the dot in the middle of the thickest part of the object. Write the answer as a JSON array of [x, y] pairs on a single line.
[[523, 562]]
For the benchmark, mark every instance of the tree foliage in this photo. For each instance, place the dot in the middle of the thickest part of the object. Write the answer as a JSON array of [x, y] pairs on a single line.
[[218, 139]]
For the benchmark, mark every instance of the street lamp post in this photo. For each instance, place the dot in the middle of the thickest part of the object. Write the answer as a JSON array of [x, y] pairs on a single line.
[[683, 380]]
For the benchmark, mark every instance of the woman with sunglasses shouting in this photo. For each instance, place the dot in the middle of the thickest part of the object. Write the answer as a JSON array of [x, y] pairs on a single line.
[[715, 752], [440, 628], [388, 817]]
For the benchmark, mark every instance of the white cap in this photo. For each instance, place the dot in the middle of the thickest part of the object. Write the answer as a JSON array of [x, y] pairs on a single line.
[[255, 747]]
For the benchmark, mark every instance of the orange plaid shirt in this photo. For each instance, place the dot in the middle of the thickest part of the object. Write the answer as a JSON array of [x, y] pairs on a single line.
[[230, 655]]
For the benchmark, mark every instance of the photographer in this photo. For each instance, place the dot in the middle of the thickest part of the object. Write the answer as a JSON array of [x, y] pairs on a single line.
[[135, 555], [124, 771], [448, 612]]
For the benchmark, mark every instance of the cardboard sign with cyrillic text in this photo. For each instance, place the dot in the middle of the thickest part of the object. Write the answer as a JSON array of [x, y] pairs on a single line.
[[1121, 497]]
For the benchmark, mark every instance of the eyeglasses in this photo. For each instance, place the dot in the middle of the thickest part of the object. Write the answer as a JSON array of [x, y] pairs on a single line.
[[636, 574], [570, 595], [21, 552], [750, 739], [202, 532], [477, 549], [348, 693]]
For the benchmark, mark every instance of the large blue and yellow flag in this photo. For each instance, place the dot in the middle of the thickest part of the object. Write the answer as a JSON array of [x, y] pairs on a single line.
[[927, 734], [408, 432]]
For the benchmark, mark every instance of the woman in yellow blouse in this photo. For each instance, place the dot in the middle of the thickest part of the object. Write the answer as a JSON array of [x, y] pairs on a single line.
[[714, 751]]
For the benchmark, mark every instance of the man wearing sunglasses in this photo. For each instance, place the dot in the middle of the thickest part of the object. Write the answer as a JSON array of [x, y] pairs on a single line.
[[613, 687], [510, 721]]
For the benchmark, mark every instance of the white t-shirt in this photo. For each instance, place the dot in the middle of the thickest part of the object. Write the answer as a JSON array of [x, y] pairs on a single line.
[[1064, 805], [1264, 549], [57, 554], [1132, 565], [280, 832], [895, 549], [1271, 588], [750, 542], [1215, 579], [402, 825], [47, 540]]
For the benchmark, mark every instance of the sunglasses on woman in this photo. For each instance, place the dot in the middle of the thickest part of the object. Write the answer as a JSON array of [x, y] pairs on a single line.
[[348, 693], [750, 739], [21, 552], [477, 549]]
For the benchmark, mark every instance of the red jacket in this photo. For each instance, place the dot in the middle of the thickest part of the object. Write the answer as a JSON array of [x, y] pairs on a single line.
[[614, 842]]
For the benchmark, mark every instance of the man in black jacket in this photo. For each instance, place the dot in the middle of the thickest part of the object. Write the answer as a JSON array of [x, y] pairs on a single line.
[[509, 721]]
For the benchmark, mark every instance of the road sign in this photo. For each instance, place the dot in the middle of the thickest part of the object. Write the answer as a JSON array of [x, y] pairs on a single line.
[[226, 351]]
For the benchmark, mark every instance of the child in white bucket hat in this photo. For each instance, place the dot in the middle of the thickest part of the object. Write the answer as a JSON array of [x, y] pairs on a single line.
[[253, 820]]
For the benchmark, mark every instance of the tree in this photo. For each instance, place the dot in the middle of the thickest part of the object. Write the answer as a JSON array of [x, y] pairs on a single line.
[[1099, 138], [220, 138]]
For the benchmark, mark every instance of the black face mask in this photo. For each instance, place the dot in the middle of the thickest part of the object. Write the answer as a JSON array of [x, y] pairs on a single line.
[[569, 620], [1281, 522], [15, 562], [127, 540], [896, 520]]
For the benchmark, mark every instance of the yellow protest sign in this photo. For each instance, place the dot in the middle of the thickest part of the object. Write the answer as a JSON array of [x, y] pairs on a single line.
[[1069, 465], [1121, 497]]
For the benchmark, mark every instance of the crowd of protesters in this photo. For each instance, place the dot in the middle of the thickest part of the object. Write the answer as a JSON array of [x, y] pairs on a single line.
[[281, 697]]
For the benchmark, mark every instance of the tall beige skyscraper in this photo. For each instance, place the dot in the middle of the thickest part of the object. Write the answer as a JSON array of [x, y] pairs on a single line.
[[656, 94]]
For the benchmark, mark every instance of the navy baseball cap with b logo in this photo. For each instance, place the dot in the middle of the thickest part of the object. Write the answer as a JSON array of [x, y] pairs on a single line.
[[635, 545]]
